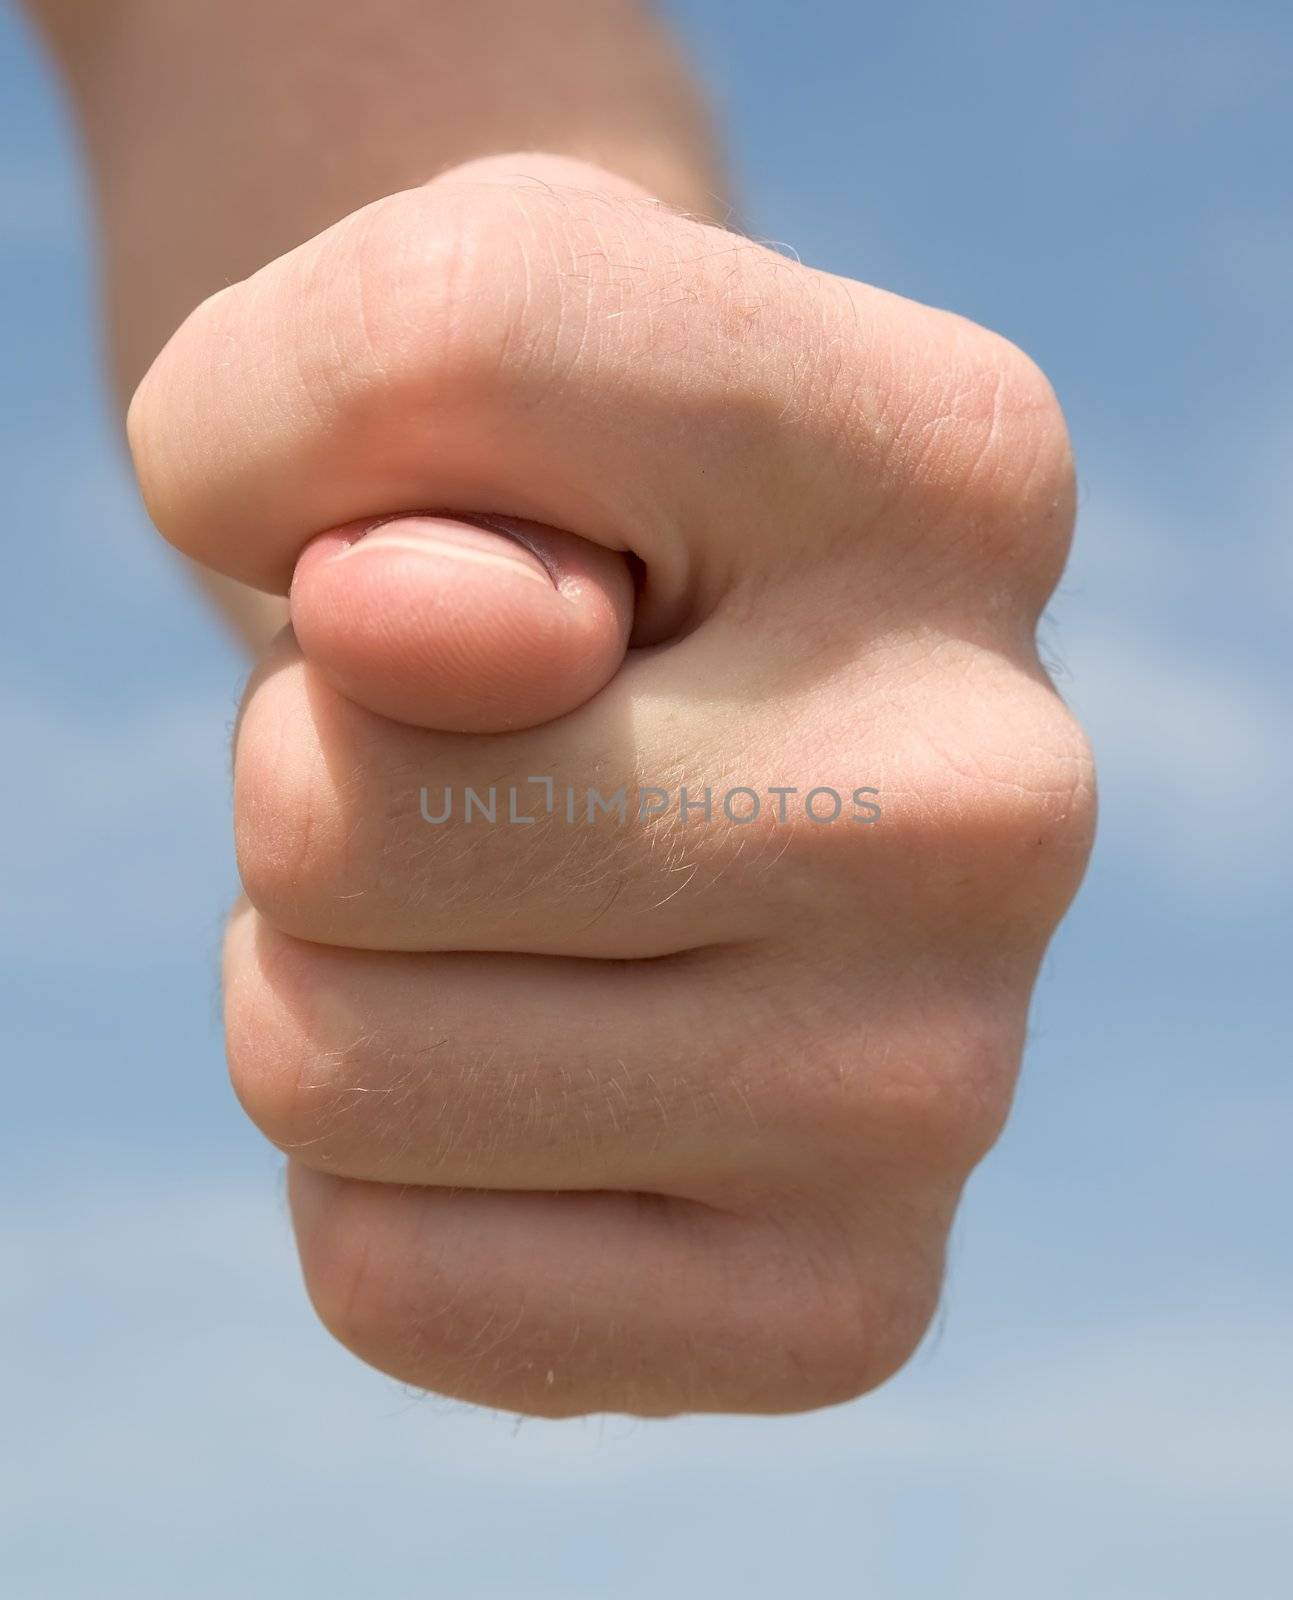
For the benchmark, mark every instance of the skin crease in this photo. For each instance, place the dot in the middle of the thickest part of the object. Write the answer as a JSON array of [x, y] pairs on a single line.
[[668, 1115], [474, 628], [337, 104]]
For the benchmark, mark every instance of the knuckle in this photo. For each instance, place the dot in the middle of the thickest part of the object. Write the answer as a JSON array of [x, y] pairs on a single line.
[[858, 1315], [261, 1063], [284, 1082], [141, 441], [852, 1354], [913, 1083], [931, 1102], [164, 408], [512, 289], [984, 810], [284, 824], [1019, 444], [997, 806], [987, 448], [1025, 829], [448, 298], [337, 1250]]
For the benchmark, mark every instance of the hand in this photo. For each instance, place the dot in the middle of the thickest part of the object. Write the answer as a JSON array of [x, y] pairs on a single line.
[[668, 1113]]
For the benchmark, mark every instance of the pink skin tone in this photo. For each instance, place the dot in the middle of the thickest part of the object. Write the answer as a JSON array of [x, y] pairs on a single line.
[[444, 623], [672, 1115], [459, 625]]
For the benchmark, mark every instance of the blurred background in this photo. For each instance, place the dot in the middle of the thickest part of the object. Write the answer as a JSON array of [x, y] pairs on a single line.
[[1105, 1407]]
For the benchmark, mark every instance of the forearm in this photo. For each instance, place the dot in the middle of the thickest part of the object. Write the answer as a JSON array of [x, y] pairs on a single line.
[[220, 135]]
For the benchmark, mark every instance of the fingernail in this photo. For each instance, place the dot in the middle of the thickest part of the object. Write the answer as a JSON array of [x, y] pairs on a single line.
[[488, 541]]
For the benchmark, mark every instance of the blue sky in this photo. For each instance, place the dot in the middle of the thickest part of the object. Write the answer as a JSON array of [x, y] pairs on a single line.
[[1105, 1406]]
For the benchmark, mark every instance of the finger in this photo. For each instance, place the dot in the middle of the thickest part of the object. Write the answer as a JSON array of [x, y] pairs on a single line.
[[557, 1304], [666, 1076], [504, 1072], [463, 625], [576, 358], [659, 817], [569, 839]]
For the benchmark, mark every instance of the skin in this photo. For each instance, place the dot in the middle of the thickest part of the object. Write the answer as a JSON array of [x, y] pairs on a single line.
[[672, 1114], [336, 104]]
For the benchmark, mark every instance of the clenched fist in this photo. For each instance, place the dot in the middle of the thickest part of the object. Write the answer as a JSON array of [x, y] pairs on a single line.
[[653, 820]]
